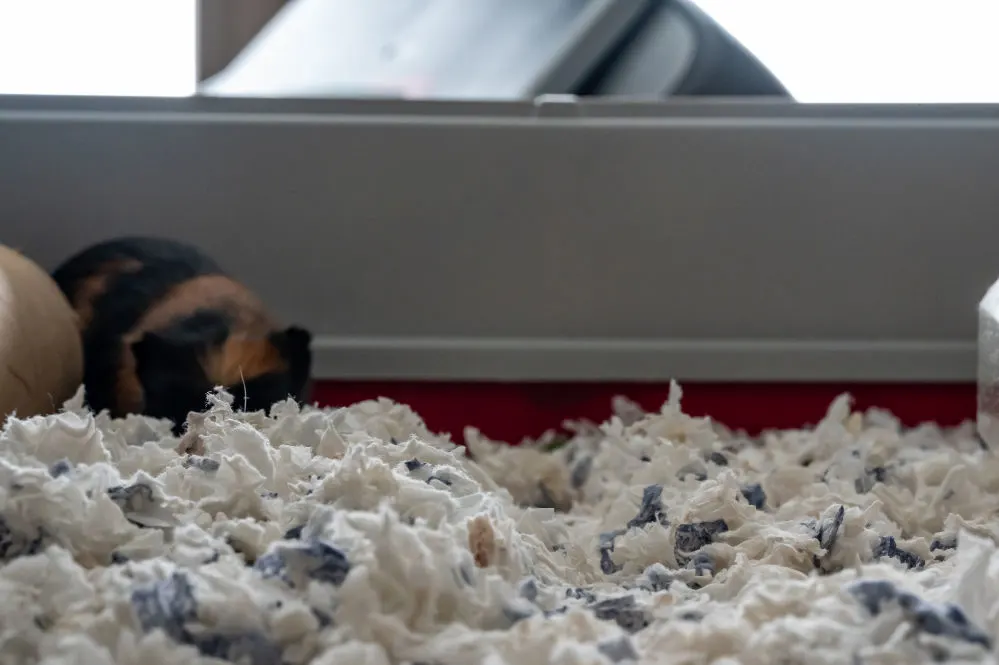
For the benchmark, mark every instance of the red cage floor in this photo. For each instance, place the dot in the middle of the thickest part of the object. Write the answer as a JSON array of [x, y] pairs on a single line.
[[512, 411]]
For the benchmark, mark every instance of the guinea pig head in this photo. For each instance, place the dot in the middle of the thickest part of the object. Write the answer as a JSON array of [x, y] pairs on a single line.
[[260, 372], [177, 373]]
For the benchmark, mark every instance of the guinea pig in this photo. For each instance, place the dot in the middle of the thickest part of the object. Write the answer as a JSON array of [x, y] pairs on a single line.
[[162, 324]]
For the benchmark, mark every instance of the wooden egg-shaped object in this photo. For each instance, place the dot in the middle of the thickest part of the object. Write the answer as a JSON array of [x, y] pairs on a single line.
[[41, 355]]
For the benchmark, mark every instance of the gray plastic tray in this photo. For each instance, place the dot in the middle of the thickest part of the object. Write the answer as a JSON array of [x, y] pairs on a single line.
[[593, 241]]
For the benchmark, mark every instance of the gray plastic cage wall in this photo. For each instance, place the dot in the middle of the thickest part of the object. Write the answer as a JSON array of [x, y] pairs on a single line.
[[596, 240]]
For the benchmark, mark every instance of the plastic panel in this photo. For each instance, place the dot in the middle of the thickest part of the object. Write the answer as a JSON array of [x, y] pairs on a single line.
[[606, 242]]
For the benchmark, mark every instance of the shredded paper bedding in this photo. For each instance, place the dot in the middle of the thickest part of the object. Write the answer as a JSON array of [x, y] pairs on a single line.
[[355, 536]]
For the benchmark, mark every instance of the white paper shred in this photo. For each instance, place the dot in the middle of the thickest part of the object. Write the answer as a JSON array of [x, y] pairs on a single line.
[[355, 536]]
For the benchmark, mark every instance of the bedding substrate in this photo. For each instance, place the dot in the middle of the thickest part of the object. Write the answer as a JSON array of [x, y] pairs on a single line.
[[355, 536]]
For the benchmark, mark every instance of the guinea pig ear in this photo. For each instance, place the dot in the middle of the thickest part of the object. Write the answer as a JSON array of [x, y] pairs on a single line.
[[295, 343]]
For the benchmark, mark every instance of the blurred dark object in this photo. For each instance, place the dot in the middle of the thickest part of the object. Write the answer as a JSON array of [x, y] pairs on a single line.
[[674, 49]]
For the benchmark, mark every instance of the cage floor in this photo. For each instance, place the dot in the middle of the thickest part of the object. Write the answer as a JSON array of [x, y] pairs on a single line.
[[356, 536]]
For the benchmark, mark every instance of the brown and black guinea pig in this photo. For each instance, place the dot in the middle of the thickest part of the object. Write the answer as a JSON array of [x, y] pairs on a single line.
[[162, 324]]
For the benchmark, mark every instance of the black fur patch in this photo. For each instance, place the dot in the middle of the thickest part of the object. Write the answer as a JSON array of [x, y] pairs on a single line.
[[168, 365], [260, 392]]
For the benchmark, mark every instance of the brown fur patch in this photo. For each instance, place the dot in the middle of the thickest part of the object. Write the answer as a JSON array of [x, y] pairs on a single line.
[[207, 292], [241, 358], [88, 290], [129, 397]]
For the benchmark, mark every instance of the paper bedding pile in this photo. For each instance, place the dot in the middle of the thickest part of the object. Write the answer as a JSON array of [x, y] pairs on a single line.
[[356, 536]]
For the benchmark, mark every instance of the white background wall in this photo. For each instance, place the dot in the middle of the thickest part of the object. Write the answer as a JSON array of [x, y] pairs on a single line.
[[887, 51], [98, 47]]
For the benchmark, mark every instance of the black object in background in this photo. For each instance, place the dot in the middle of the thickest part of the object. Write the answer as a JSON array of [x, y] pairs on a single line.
[[675, 49]]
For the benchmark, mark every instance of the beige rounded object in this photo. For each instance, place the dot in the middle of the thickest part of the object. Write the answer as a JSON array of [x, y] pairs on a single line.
[[41, 356]]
